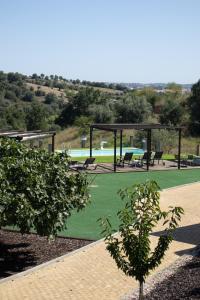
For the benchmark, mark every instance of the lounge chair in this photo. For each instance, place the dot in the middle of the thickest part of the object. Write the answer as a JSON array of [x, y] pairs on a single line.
[[143, 160], [125, 160], [192, 160], [183, 160], [157, 156], [89, 162], [196, 161]]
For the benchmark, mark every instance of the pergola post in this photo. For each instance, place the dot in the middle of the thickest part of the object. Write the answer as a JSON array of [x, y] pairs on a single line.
[[179, 148], [53, 142], [120, 143], [91, 137], [146, 127], [148, 148], [115, 150]]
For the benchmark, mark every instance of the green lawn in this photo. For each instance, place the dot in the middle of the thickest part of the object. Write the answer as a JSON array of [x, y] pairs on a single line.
[[109, 159], [105, 201]]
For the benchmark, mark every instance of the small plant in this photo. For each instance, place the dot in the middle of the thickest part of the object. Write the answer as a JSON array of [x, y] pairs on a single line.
[[132, 249]]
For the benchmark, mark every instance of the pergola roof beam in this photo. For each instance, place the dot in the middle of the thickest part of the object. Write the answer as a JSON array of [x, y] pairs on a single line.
[[112, 127], [27, 135]]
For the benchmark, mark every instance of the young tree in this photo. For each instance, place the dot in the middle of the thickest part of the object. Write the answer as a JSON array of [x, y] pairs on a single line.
[[37, 191], [131, 251]]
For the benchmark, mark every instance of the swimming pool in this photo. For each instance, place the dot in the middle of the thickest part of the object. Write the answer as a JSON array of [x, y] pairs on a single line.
[[102, 152]]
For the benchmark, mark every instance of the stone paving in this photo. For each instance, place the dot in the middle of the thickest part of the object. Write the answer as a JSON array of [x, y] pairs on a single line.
[[165, 165], [90, 273]]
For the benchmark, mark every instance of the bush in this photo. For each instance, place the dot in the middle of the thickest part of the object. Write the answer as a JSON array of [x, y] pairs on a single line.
[[50, 98], [29, 96], [40, 93], [10, 95], [36, 189]]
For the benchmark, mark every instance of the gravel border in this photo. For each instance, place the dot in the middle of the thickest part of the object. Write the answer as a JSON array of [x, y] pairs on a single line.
[[50, 262], [163, 275]]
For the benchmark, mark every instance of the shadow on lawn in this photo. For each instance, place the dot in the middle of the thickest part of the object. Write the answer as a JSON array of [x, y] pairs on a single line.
[[14, 258]]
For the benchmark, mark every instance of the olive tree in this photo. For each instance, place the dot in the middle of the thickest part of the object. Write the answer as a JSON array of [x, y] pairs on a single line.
[[171, 112], [132, 109], [37, 190], [132, 250]]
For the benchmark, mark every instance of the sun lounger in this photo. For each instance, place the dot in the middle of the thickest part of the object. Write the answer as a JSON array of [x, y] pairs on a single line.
[[192, 160], [143, 160], [87, 164], [196, 161], [157, 156], [125, 160]]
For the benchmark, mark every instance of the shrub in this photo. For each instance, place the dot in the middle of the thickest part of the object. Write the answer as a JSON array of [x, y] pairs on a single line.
[[29, 96], [10, 95], [37, 191], [50, 98]]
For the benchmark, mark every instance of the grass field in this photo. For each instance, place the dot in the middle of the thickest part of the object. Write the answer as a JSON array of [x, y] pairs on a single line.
[[109, 159], [105, 201]]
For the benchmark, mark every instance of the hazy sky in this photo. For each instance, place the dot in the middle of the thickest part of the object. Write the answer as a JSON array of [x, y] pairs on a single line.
[[105, 40]]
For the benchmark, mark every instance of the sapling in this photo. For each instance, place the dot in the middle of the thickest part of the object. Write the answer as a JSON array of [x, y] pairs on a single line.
[[131, 249]]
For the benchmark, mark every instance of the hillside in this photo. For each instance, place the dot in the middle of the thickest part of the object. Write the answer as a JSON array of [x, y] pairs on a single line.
[[69, 86], [40, 102], [37, 101], [45, 89]]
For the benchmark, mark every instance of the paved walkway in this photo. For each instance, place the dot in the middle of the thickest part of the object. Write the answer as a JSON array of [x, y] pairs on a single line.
[[108, 167], [90, 273]]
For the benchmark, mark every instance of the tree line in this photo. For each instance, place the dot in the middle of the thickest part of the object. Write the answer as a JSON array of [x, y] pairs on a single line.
[[24, 107]]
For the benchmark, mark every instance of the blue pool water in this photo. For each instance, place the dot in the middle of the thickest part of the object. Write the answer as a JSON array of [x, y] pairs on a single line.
[[104, 152]]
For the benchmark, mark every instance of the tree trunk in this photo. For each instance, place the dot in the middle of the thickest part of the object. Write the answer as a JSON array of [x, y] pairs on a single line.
[[141, 295]]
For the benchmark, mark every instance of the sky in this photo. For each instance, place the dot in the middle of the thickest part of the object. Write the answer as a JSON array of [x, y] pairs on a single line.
[[107, 40]]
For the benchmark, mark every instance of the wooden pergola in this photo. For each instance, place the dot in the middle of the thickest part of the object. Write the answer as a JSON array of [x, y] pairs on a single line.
[[115, 128], [24, 136]]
